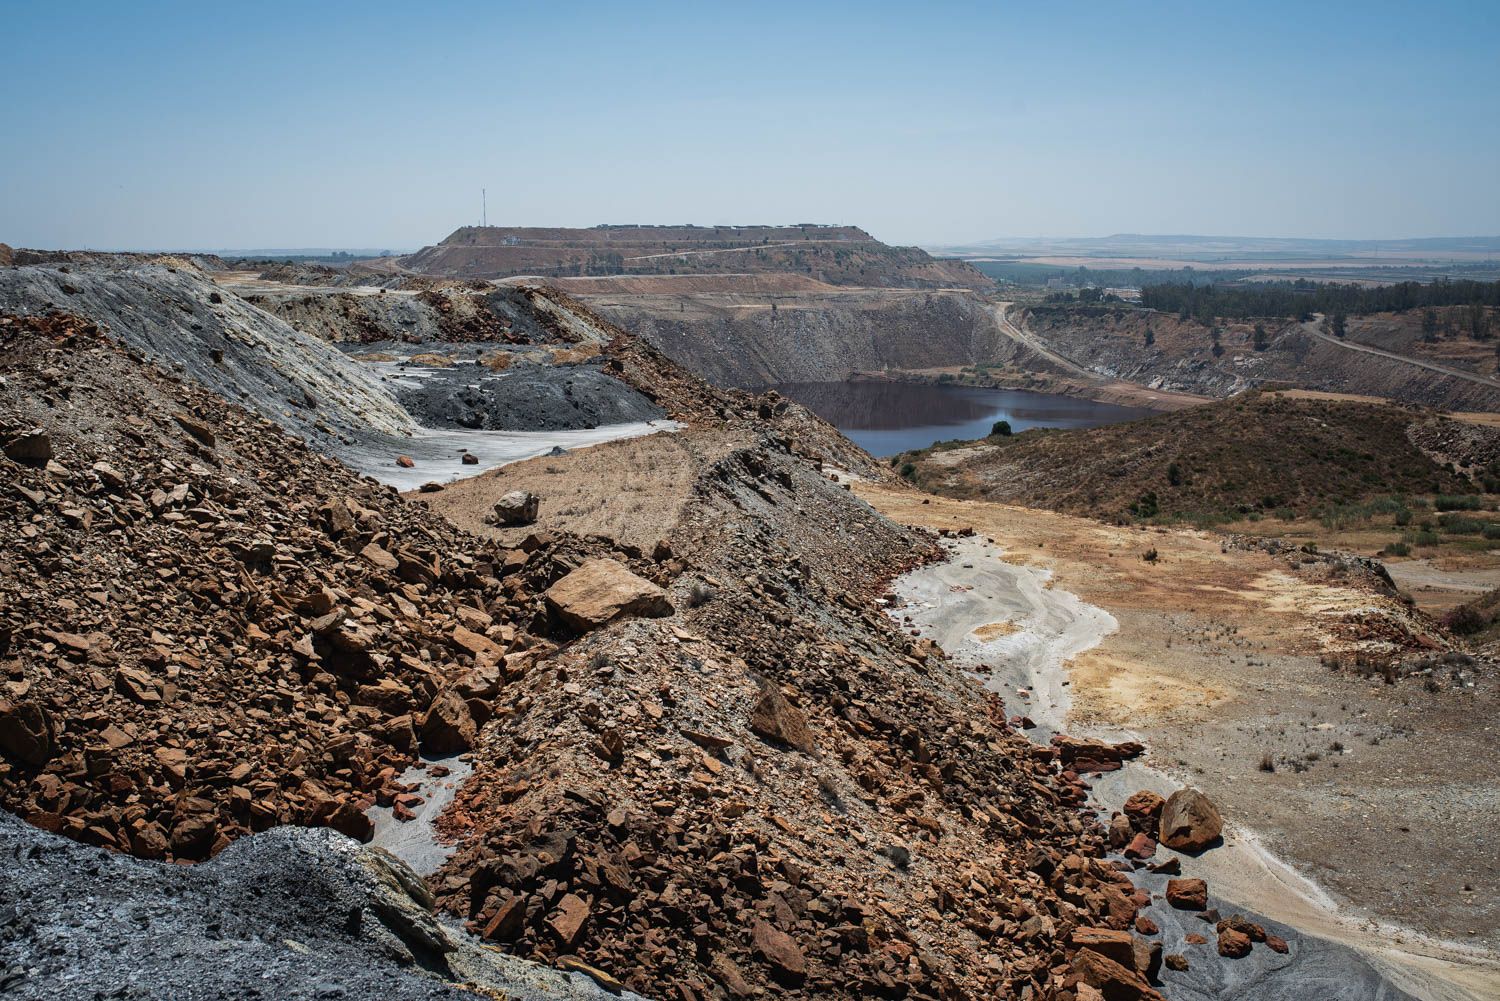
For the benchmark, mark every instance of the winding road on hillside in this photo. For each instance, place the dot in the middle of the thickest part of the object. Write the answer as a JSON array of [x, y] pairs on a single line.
[[1314, 328], [1015, 333]]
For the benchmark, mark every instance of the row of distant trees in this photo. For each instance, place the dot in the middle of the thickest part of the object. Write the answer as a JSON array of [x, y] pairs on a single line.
[[1303, 298]]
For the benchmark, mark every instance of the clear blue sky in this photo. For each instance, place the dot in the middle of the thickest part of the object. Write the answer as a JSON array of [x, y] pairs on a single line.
[[375, 125]]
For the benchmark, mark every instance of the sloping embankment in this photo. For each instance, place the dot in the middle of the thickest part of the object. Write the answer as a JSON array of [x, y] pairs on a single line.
[[746, 339]]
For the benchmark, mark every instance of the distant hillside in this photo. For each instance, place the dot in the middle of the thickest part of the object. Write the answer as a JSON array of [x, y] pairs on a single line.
[[1208, 248], [838, 255], [1255, 452]]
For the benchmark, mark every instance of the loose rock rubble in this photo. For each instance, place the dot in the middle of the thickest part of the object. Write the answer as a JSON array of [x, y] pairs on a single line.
[[207, 630], [711, 771]]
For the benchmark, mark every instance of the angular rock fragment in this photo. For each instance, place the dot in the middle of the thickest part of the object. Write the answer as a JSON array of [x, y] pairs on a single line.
[[1187, 894], [519, 507], [602, 590], [776, 719], [1190, 822]]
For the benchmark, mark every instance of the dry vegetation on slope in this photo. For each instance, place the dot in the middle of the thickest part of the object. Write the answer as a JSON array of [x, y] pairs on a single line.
[[1258, 452]]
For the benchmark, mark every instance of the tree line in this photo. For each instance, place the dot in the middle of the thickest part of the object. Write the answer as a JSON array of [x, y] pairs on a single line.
[[1303, 298]]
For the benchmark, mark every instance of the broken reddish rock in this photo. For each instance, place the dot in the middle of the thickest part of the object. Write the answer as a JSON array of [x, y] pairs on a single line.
[[1190, 822], [448, 727], [405, 461], [1143, 808], [779, 950], [602, 590], [1233, 944], [1107, 941], [569, 919], [1094, 756], [1187, 894], [26, 733], [776, 719], [1116, 982], [1141, 847]]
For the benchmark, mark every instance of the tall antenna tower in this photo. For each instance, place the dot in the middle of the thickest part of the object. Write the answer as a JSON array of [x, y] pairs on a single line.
[[484, 208]]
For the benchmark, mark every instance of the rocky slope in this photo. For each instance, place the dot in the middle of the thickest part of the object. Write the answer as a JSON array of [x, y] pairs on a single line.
[[1112, 342], [755, 340], [209, 630], [177, 317]]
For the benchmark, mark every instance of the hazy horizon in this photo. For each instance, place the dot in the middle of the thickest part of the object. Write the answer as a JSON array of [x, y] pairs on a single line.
[[178, 127]]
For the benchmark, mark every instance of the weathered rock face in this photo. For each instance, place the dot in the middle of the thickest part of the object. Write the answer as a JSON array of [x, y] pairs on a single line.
[[1190, 822], [602, 590], [813, 337], [519, 507]]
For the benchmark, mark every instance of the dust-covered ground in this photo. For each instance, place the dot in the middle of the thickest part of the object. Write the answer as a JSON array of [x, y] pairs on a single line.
[[1384, 794]]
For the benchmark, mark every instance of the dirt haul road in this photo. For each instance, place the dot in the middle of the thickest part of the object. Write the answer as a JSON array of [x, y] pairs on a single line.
[[1314, 328], [1168, 676]]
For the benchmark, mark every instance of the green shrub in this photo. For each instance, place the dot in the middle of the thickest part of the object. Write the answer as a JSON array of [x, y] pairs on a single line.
[[1422, 537], [1492, 531], [1458, 502], [1403, 517], [1457, 524], [1000, 429], [1146, 506], [908, 470], [1396, 549]]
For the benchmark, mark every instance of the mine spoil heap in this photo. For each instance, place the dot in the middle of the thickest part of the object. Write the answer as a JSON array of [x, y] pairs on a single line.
[[207, 630]]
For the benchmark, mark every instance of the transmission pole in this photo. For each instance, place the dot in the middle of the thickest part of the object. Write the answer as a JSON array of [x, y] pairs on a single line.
[[484, 207]]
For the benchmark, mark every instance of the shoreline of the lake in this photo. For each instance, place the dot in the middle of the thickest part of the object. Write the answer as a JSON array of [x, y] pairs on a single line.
[[887, 418]]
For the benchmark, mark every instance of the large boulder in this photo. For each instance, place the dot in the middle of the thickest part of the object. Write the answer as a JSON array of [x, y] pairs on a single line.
[[448, 727], [519, 507], [1190, 822], [602, 590]]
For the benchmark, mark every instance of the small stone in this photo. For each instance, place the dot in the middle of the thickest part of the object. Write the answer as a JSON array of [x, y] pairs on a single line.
[[569, 919], [519, 507], [1187, 894], [1234, 944], [405, 461], [31, 447]]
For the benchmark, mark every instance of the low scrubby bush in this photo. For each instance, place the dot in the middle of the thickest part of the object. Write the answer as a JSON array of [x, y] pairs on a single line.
[[1458, 502], [1457, 524]]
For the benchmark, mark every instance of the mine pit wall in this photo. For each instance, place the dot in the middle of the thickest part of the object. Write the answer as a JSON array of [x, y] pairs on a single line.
[[739, 340], [1112, 343]]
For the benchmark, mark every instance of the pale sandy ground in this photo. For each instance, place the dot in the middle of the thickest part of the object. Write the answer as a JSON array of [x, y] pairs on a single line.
[[1390, 809], [630, 489]]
